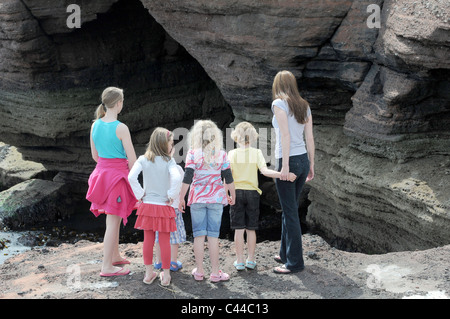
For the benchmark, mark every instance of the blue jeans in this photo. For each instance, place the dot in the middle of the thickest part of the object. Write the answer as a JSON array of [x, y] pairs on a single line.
[[206, 219], [291, 251]]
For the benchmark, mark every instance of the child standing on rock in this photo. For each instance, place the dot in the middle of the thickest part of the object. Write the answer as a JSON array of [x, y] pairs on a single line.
[[109, 190], [244, 215], [205, 168], [155, 213]]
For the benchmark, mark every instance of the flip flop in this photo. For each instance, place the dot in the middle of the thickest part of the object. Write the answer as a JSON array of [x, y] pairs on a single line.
[[281, 270], [120, 272], [285, 271], [239, 266], [278, 259], [197, 276], [151, 280], [220, 277], [250, 264], [124, 261], [161, 276]]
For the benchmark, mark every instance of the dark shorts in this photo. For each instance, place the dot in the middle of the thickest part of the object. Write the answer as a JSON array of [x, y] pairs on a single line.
[[245, 213]]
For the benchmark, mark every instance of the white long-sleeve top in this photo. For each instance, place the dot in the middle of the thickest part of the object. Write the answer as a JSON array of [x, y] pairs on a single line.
[[162, 180], [176, 199]]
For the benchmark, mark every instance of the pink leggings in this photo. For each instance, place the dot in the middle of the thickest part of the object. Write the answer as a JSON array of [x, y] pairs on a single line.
[[164, 244]]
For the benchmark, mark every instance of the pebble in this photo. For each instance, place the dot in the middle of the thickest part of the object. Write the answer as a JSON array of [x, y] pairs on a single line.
[[312, 255]]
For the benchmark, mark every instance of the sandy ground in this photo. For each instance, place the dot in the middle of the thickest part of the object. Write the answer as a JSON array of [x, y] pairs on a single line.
[[71, 271]]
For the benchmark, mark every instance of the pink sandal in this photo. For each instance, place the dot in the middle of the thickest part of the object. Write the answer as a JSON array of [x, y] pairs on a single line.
[[120, 272], [124, 261], [220, 277], [197, 276]]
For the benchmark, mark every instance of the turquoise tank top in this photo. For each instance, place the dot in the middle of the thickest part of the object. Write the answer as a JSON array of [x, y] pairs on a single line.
[[106, 142]]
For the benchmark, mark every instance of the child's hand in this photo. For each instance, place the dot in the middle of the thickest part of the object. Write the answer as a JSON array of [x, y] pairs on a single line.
[[292, 177], [181, 205], [169, 202], [231, 200]]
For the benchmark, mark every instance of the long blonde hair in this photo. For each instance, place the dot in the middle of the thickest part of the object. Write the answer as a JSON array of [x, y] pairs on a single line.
[[285, 87], [110, 97], [159, 144], [206, 136]]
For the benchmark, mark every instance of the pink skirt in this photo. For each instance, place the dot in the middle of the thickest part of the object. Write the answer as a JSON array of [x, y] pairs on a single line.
[[109, 190], [156, 218]]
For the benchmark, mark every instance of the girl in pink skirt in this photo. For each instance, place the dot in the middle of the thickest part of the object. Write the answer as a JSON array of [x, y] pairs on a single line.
[[109, 190], [162, 182]]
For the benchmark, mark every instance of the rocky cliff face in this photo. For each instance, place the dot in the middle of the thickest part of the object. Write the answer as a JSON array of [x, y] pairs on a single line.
[[52, 78], [379, 97]]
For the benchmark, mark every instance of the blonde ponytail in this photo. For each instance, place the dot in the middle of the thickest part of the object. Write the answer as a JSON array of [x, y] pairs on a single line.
[[100, 112], [110, 97]]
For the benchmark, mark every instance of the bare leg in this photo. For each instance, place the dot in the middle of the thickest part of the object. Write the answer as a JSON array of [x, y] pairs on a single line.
[[110, 243], [116, 253], [251, 244], [199, 252], [214, 254], [174, 252], [239, 244]]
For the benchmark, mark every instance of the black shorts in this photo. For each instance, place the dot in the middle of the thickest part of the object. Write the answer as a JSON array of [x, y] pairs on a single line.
[[245, 213]]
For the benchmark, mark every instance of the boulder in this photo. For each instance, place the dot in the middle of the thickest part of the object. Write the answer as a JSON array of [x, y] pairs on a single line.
[[13, 169], [34, 203]]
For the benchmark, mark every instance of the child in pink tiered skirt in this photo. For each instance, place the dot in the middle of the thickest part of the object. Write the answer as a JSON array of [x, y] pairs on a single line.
[[155, 214]]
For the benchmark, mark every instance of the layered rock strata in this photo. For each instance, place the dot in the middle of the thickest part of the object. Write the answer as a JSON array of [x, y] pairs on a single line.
[[52, 77]]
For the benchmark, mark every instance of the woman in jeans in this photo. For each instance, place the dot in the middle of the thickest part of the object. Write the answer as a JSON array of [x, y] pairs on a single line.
[[292, 117]]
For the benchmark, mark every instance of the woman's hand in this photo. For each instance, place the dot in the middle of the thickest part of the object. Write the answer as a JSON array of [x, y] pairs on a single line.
[[284, 173], [310, 174]]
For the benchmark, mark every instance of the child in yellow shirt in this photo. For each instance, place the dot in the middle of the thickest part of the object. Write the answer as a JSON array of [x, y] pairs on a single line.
[[244, 215]]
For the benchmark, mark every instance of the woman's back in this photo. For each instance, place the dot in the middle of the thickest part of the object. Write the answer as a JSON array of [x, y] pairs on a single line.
[[297, 142]]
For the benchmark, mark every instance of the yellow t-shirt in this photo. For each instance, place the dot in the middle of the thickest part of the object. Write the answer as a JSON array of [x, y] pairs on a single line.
[[245, 163]]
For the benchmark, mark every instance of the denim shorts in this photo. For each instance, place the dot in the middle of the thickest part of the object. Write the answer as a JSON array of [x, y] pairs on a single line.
[[206, 219]]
